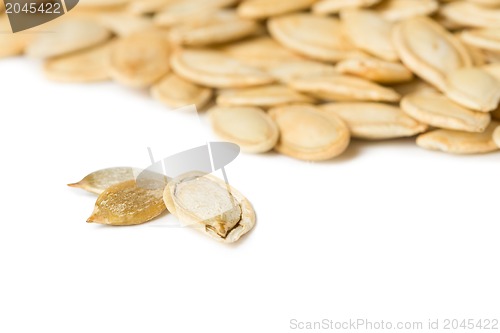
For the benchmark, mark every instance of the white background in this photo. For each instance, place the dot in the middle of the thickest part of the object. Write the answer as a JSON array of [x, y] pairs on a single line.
[[386, 232]]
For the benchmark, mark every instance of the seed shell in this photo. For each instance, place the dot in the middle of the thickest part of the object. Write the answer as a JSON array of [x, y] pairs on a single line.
[[128, 203], [98, 181], [210, 205]]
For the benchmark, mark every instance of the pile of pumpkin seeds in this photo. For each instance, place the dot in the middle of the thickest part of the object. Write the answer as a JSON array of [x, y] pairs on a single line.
[[301, 77]]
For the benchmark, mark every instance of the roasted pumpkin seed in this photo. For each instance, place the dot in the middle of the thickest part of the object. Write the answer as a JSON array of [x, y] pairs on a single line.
[[128, 203]]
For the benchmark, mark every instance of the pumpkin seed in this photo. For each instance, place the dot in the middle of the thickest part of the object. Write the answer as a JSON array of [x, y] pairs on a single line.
[[307, 133], [476, 54], [288, 71], [375, 121], [89, 65], [140, 59], [344, 88], [486, 3], [413, 86], [397, 10], [178, 12], [265, 96], [147, 6], [249, 127], [473, 88], [471, 15], [457, 142], [218, 28], [436, 110], [324, 7], [176, 92], [368, 31], [261, 9], [215, 69], [375, 70], [496, 137], [98, 181], [493, 70], [261, 52], [209, 205], [429, 50], [128, 204], [488, 39], [123, 24], [319, 38], [67, 37]]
